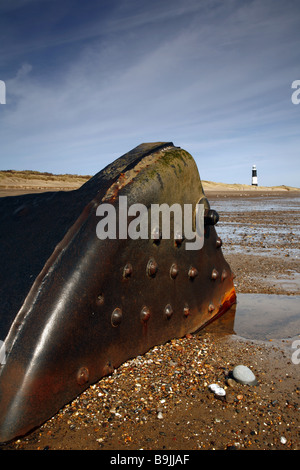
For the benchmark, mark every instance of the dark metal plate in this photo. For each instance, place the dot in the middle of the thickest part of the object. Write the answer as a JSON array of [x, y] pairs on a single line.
[[74, 307]]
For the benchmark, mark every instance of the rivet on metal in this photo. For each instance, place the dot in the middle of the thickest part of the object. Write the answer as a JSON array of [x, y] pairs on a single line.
[[214, 274], [156, 235], [116, 317], [127, 271], [145, 314], [211, 217], [186, 311], [193, 272], [152, 267], [224, 274], [82, 376], [178, 238], [168, 311], [174, 271], [211, 308], [218, 242]]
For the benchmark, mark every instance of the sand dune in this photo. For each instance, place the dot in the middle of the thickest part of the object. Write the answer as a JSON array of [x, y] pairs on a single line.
[[35, 180], [220, 187], [18, 182]]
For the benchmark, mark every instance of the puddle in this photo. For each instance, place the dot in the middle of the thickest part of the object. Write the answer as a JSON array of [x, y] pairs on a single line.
[[261, 317]]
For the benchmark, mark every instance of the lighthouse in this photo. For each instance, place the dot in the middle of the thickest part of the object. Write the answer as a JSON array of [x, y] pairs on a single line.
[[254, 176]]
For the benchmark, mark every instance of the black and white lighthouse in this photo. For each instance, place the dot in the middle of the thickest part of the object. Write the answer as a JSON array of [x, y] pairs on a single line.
[[254, 176]]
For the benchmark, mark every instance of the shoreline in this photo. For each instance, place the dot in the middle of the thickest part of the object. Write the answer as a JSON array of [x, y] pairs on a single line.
[[23, 182]]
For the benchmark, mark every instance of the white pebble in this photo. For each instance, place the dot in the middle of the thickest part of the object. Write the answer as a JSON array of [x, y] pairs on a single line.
[[220, 392], [217, 390]]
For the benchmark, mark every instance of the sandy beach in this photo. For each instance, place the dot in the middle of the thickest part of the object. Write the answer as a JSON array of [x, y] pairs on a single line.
[[14, 182], [161, 401]]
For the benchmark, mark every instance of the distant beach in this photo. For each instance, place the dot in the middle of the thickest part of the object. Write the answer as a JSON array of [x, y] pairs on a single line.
[[13, 183]]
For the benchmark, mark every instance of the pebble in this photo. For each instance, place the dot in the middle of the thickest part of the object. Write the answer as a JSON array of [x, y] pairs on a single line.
[[231, 383], [218, 391], [244, 375]]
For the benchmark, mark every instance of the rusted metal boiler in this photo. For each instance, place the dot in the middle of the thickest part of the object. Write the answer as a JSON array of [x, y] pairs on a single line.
[[74, 306]]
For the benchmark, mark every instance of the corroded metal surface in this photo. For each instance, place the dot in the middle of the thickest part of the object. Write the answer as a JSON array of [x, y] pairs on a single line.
[[74, 307]]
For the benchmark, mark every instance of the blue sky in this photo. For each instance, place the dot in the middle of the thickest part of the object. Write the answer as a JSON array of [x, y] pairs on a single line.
[[86, 81]]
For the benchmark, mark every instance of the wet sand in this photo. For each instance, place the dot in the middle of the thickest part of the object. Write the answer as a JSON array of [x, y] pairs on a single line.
[[161, 401]]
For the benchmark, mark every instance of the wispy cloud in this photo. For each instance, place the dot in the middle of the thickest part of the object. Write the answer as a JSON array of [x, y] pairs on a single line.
[[212, 76]]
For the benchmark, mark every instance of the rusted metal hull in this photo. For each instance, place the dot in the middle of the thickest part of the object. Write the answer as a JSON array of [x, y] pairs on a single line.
[[75, 307]]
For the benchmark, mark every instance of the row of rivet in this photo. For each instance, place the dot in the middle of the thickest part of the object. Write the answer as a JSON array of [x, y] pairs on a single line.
[[157, 237], [145, 314], [178, 239], [215, 274], [152, 268], [174, 271]]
